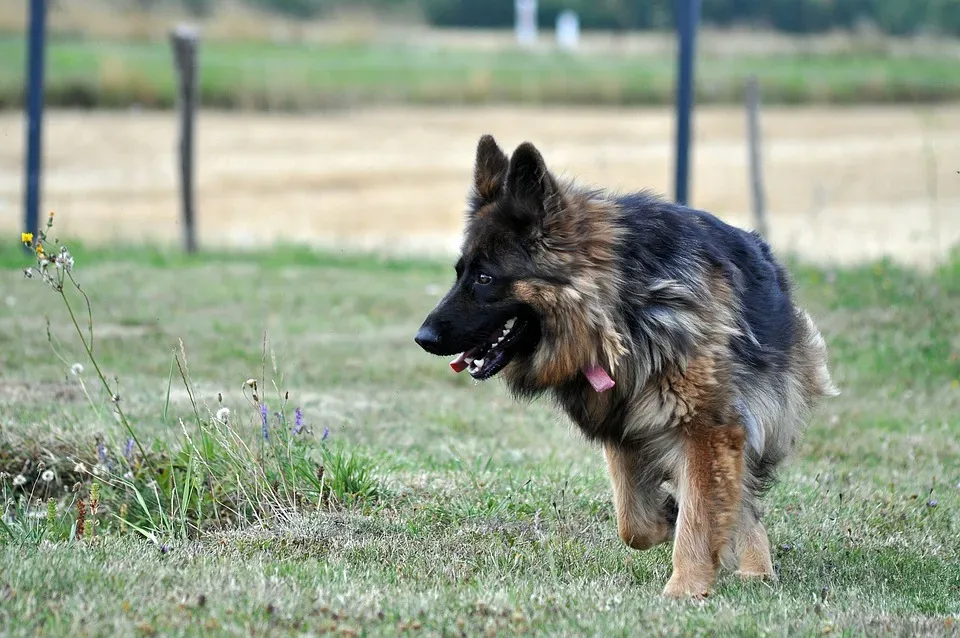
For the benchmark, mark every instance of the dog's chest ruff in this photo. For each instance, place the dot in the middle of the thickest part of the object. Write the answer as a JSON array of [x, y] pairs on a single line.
[[658, 404]]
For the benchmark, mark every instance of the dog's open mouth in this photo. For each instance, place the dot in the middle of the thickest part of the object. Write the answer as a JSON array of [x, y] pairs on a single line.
[[487, 360]]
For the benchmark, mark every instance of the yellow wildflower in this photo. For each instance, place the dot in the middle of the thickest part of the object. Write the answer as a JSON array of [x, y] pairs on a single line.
[[40, 250], [26, 238]]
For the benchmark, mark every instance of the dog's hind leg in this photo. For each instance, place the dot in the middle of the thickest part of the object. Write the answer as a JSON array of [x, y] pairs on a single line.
[[710, 491], [646, 514]]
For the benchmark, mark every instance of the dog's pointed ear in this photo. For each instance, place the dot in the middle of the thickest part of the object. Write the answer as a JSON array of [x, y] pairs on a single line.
[[489, 170], [530, 184]]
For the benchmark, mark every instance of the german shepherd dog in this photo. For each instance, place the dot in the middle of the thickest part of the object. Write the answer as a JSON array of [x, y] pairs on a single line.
[[669, 337]]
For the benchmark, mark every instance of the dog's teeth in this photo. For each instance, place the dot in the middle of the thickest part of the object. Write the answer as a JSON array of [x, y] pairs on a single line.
[[509, 324], [478, 364], [502, 338], [469, 360]]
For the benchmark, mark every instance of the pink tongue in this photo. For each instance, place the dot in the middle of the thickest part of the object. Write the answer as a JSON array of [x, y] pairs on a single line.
[[598, 378], [458, 364]]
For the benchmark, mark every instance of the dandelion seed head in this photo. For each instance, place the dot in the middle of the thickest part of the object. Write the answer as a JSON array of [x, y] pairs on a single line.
[[80, 468], [19, 480], [64, 260], [77, 369], [99, 470], [223, 414], [47, 476]]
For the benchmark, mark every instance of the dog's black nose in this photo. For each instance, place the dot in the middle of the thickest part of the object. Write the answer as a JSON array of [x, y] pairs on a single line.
[[427, 338]]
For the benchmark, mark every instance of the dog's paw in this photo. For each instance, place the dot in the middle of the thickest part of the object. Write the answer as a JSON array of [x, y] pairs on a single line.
[[749, 574], [681, 587]]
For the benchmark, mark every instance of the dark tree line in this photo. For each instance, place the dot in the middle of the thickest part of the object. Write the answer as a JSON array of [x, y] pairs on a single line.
[[899, 17]]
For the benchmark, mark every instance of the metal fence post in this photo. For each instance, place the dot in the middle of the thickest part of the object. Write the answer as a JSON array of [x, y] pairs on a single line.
[[35, 87], [688, 17]]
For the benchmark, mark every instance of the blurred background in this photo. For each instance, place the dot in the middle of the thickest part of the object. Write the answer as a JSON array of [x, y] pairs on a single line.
[[339, 123]]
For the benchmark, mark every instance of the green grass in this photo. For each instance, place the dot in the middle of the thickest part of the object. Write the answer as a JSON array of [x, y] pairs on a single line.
[[284, 77], [469, 512]]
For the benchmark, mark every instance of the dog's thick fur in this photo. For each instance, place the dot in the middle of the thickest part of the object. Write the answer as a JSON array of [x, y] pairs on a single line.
[[715, 366]]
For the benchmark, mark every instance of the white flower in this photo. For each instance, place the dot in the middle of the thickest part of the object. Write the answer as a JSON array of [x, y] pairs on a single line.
[[80, 468], [222, 414], [99, 470], [252, 383], [19, 480], [77, 369], [47, 476]]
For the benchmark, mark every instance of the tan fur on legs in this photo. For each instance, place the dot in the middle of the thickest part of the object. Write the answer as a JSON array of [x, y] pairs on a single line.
[[755, 559], [710, 492], [639, 503]]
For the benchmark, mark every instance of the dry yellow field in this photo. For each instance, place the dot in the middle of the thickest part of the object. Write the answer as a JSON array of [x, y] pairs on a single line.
[[843, 185]]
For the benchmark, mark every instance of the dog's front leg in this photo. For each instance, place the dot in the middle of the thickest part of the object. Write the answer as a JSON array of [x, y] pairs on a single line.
[[709, 491], [644, 514]]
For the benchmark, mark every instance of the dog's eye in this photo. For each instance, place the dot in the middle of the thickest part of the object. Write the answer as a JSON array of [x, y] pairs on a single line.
[[483, 279]]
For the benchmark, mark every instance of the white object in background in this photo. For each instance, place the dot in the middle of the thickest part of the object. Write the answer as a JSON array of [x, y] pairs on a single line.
[[526, 21], [568, 30]]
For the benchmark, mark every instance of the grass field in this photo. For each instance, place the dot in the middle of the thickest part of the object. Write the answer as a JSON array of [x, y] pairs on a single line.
[[422, 69], [483, 516]]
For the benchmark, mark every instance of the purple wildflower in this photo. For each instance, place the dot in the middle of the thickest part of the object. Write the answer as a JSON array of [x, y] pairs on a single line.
[[102, 453], [263, 417], [128, 451], [297, 421], [326, 433]]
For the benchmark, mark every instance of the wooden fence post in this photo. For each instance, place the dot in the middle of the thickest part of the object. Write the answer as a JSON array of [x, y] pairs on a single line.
[[756, 168], [185, 40]]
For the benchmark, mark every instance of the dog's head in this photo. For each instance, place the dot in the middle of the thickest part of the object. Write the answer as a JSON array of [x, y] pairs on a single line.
[[482, 318], [530, 270]]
